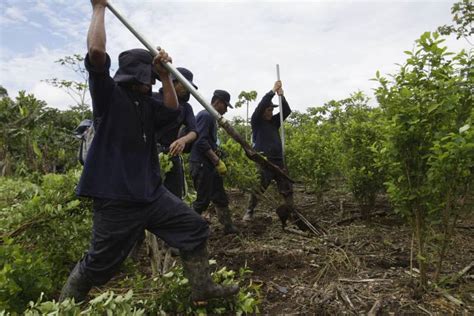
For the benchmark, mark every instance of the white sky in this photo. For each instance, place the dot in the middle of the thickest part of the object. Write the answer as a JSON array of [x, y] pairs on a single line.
[[326, 49]]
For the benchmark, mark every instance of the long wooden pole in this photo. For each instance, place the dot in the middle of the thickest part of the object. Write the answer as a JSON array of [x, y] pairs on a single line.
[[249, 151]]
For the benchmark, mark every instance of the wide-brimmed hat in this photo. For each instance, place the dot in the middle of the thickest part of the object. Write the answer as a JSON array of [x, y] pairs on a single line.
[[136, 65], [271, 105], [224, 96], [186, 74]]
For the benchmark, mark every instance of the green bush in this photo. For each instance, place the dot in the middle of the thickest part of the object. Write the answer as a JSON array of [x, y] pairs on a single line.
[[427, 149], [241, 172], [24, 275], [47, 229]]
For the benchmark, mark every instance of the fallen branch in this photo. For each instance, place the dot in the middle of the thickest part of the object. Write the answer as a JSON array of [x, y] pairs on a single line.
[[424, 309], [441, 291], [25, 226], [345, 298], [365, 280], [320, 231], [360, 216], [464, 271], [375, 308], [297, 232], [464, 227]]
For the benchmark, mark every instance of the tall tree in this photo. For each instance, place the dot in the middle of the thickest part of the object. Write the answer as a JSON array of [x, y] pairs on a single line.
[[245, 97]]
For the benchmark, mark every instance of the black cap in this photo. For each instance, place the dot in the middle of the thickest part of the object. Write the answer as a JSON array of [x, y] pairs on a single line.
[[186, 74], [224, 96]]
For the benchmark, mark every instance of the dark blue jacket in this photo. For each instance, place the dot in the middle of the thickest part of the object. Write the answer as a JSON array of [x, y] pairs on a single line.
[[207, 137], [122, 162], [265, 135], [169, 133]]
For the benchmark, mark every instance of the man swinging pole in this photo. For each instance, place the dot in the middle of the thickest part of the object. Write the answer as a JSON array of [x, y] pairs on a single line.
[[122, 175]]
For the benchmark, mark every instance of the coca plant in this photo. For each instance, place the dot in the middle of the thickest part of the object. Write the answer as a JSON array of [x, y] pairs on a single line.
[[428, 150], [360, 133]]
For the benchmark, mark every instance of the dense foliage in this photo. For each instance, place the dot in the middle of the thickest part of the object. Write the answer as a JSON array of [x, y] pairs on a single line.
[[45, 230], [428, 151], [35, 138]]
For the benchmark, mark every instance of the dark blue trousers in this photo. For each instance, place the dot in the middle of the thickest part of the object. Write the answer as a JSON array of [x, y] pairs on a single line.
[[174, 179], [118, 224], [209, 186]]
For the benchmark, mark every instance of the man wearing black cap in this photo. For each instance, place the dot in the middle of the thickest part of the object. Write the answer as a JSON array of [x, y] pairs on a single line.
[[207, 168], [177, 134], [266, 139], [122, 175]]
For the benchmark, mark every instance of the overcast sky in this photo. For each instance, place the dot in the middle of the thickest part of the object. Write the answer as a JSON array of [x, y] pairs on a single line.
[[326, 49]]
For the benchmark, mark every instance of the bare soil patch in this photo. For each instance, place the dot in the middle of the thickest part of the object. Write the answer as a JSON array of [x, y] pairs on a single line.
[[361, 265]]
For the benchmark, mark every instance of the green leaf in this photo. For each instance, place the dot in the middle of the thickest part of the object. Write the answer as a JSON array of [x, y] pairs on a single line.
[[37, 150], [464, 128], [433, 107]]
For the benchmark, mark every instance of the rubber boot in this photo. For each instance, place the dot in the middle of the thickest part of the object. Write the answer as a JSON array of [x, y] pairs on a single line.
[[289, 203], [284, 213], [77, 286], [223, 215], [196, 269]]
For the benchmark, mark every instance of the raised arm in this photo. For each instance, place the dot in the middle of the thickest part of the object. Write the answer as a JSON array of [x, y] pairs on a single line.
[[257, 114], [286, 107], [267, 98], [96, 37], [170, 100]]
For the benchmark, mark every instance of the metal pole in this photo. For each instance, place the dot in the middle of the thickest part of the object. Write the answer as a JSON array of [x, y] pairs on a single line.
[[282, 127], [249, 151], [172, 69]]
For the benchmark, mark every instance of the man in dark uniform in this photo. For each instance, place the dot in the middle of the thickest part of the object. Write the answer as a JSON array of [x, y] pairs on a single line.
[[207, 168], [266, 139], [122, 174], [178, 134]]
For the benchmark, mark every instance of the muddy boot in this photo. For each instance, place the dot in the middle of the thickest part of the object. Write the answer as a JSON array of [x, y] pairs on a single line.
[[284, 213], [248, 216], [223, 215], [196, 269], [77, 286]]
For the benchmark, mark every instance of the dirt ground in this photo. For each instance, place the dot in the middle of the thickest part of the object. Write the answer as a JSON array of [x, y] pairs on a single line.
[[357, 267]]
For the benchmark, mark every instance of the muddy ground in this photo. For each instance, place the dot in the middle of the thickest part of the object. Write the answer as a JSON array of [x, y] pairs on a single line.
[[358, 266]]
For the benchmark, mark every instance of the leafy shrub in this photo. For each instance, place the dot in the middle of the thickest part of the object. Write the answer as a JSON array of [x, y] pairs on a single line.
[[427, 147], [48, 229], [241, 172], [361, 137], [106, 303], [313, 152], [23, 276]]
